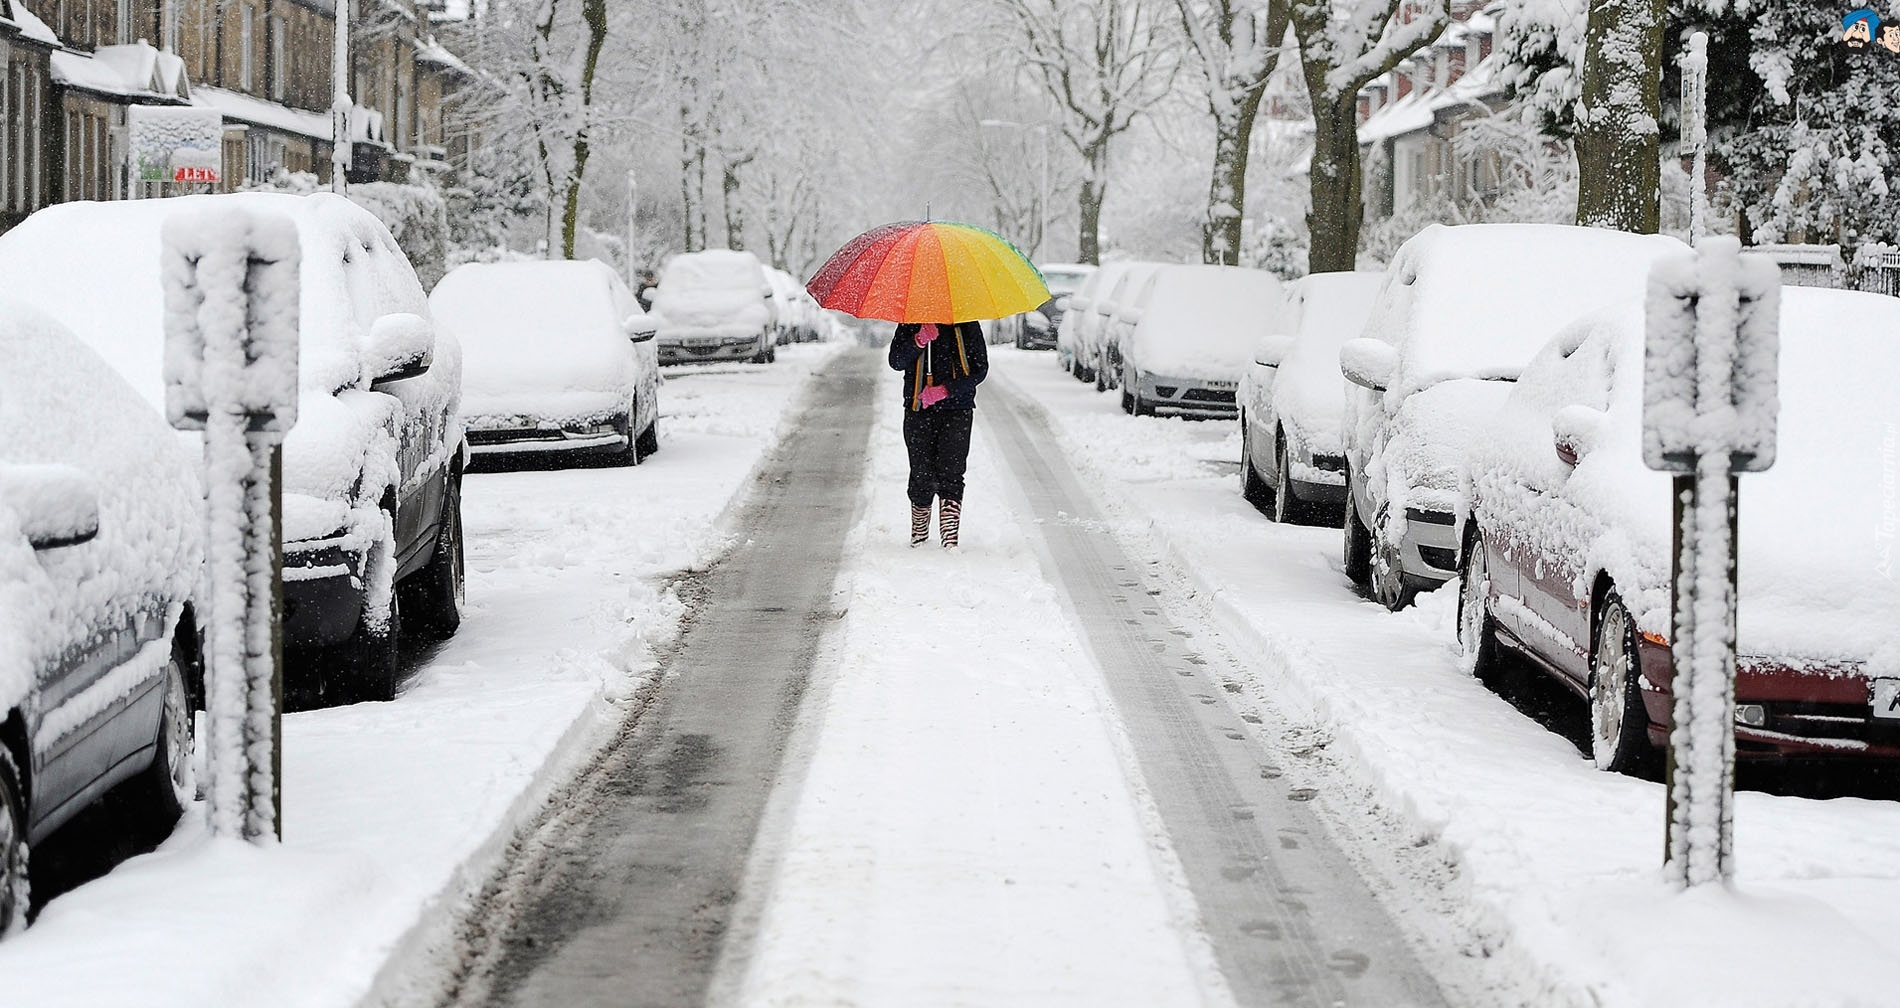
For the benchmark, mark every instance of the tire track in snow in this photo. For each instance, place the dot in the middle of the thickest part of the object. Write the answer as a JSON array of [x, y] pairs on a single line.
[[622, 894], [1290, 919]]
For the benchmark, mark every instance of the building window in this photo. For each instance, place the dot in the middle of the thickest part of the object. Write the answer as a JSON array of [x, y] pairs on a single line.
[[247, 46], [279, 71]]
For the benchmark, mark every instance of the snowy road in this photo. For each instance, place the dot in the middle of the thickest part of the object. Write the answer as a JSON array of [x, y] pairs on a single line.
[[1013, 776], [1291, 921], [622, 896]]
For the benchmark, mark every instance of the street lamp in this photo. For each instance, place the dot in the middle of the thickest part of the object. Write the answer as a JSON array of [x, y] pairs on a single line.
[[1042, 205]]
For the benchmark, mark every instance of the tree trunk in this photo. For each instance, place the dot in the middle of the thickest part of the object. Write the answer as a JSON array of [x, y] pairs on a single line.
[[1088, 238], [1334, 181], [689, 202], [735, 214], [594, 13], [1227, 192], [1618, 149]]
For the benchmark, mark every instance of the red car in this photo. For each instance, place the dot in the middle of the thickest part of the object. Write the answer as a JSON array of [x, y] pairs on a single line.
[[1567, 548]]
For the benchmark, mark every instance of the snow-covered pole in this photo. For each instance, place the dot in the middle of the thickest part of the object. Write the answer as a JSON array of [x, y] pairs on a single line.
[[633, 194], [341, 103], [1695, 126], [231, 317], [1709, 412]]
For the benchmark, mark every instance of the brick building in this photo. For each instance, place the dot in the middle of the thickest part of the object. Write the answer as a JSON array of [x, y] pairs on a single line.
[[74, 67]]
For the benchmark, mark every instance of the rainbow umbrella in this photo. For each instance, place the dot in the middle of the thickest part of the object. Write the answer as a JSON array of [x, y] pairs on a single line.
[[928, 271]]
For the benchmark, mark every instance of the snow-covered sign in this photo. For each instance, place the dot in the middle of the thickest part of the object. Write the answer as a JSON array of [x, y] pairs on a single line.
[[1709, 378], [1710, 400], [232, 290], [171, 144]]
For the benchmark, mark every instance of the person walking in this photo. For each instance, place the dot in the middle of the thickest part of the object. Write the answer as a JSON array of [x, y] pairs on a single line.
[[942, 366]]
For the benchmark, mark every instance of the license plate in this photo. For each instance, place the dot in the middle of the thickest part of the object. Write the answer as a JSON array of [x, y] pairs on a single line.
[[1887, 699], [1223, 386]]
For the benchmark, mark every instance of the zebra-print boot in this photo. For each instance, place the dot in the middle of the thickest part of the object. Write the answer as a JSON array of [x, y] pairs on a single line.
[[949, 514], [919, 525]]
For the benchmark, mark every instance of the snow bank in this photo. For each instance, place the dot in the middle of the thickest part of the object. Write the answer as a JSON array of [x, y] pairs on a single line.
[[1204, 321], [541, 341]]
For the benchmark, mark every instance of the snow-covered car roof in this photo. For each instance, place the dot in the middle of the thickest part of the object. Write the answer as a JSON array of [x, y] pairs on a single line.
[[60, 404], [61, 258], [1812, 581], [1063, 278], [713, 268], [1478, 300], [540, 339], [1204, 321]]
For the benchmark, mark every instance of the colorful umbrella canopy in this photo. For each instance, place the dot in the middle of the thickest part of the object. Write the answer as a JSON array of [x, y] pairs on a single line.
[[928, 271]]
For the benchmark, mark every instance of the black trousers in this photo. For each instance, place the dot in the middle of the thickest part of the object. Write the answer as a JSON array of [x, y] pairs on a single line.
[[939, 443]]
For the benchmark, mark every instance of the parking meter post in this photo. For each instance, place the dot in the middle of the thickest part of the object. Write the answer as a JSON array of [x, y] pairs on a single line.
[[1709, 412], [231, 326]]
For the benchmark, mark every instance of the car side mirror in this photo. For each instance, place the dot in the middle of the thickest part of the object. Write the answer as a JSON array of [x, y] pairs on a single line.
[[1132, 316], [57, 505], [1368, 363], [1576, 431], [641, 328], [1273, 349], [402, 346]]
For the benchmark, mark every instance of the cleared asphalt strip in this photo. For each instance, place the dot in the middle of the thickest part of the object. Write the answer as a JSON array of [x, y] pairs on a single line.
[[624, 894], [1291, 921]]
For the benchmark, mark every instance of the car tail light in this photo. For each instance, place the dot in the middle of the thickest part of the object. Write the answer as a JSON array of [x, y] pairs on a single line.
[[1655, 638]]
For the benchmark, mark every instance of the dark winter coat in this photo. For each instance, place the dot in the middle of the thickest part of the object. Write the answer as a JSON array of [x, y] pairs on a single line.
[[957, 359]]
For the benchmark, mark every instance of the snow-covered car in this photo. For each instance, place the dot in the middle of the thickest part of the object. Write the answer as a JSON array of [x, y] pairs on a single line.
[[1293, 397], [372, 472], [1038, 329], [1568, 542], [101, 543], [556, 357], [712, 306], [1460, 312], [794, 313], [1189, 338], [1106, 336], [1082, 321]]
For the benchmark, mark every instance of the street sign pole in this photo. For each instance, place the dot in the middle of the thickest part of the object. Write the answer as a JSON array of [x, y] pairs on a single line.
[[1709, 411], [1695, 131], [231, 324]]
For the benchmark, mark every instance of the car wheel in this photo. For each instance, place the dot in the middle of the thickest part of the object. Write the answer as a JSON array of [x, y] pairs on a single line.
[[1252, 488], [1477, 632], [1619, 727], [771, 356], [1099, 377], [1390, 587], [1128, 403], [14, 892], [1357, 557], [625, 454], [1286, 508], [161, 792], [439, 590], [649, 440]]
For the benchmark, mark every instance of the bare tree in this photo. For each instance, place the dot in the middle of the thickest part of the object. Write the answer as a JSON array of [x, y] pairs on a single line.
[[1103, 63], [1237, 44], [1344, 45]]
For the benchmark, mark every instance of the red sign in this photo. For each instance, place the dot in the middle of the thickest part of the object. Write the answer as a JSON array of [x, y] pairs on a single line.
[[194, 174]]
